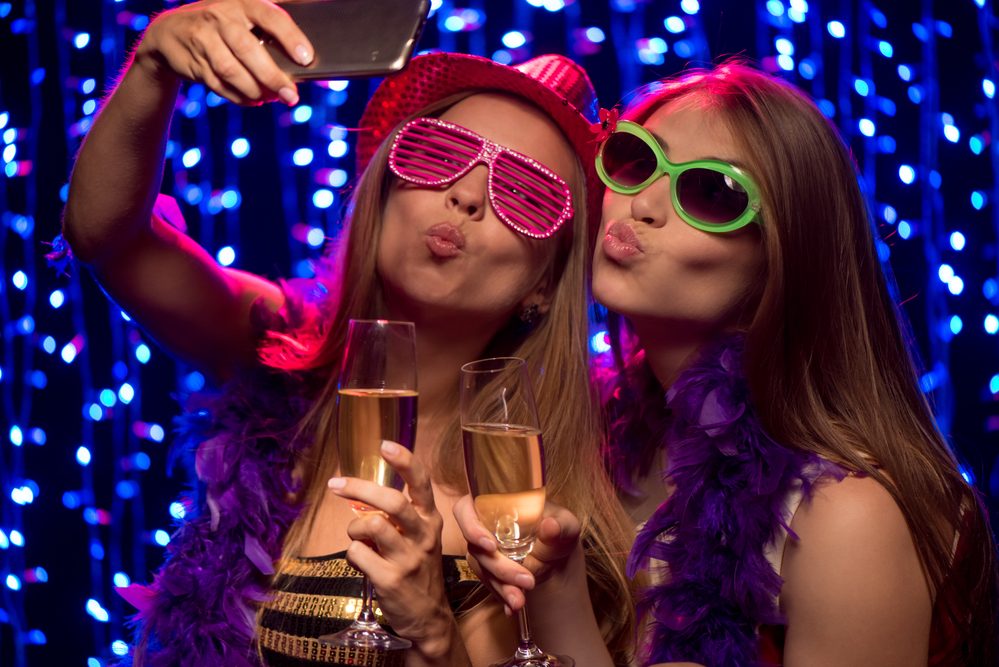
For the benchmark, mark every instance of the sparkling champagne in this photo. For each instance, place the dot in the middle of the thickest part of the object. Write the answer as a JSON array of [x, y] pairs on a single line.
[[365, 418], [506, 473]]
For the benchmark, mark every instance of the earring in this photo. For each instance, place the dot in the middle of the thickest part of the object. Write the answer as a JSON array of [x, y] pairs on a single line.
[[529, 315]]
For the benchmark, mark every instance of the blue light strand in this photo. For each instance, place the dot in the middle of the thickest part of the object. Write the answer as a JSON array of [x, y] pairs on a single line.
[[290, 195], [701, 55], [447, 38], [477, 38], [19, 362], [768, 12], [987, 29], [323, 115], [124, 374], [844, 104], [82, 363], [815, 60], [986, 24], [113, 41], [523, 19], [234, 128], [868, 143], [932, 221], [626, 29], [206, 168], [121, 439]]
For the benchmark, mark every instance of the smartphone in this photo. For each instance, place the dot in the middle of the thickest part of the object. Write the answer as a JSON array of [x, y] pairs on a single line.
[[353, 38]]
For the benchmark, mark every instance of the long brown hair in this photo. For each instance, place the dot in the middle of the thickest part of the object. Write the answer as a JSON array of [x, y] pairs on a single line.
[[556, 350], [827, 356]]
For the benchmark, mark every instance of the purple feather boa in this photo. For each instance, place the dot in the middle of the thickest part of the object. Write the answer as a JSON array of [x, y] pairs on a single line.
[[200, 609], [730, 484]]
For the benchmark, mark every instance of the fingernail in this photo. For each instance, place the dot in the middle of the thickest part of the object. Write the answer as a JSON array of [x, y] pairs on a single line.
[[389, 447], [487, 544], [288, 96], [511, 600], [524, 580], [336, 483], [303, 54]]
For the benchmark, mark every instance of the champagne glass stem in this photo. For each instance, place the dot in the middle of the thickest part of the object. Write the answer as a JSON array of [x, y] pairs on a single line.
[[527, 649], [367, 615]]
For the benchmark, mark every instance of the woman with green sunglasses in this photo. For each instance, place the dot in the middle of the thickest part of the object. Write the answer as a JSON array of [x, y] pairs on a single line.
[[795, 502], [812, 513]]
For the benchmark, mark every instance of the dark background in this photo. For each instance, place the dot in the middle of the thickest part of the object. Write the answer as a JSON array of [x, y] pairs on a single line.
[[68, 531]]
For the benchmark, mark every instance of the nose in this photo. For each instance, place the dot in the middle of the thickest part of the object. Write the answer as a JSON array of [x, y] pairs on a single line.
[[652, 205], [467, 195]]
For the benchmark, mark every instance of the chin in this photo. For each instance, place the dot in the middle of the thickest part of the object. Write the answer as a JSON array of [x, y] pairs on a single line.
[[633, 306], [613, 296]]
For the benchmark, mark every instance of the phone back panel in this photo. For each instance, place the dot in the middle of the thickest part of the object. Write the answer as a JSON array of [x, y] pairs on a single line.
[[354, 38]]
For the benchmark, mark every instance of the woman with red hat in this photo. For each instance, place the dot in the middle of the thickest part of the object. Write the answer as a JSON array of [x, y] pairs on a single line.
[[480, 271]]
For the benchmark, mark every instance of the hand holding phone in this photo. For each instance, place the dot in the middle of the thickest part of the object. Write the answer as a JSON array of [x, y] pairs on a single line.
[[208, 42], [352, 38]]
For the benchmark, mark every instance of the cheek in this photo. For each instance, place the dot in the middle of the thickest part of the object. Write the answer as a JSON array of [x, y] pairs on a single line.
[[615, 206], [745, 253], [513, 265], [735, 259], [733, 272], [403, 208], [514, 253], [391, 235], [397, 203]]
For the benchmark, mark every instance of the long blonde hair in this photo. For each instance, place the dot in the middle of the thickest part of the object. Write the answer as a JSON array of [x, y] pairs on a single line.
[[556, 351], [827, 358]]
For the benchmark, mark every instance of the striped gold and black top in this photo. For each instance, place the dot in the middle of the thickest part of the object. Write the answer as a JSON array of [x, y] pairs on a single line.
[[321, 595]]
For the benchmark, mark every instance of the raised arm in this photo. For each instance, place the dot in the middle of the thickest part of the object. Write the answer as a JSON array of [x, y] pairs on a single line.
[[167, 282]]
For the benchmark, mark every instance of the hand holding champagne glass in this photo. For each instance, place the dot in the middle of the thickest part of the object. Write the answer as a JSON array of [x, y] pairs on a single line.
[[376, 401], [505, 465]]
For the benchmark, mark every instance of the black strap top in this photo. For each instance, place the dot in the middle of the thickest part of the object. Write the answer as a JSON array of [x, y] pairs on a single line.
[[321, 595]]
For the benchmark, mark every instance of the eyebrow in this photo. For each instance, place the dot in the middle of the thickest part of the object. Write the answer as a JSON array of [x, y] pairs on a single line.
[[665, 146]]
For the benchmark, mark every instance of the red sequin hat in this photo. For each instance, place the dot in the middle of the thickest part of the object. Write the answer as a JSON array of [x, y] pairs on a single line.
[[553, 83]]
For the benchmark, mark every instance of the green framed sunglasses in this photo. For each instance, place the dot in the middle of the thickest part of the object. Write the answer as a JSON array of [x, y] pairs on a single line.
[[710, 195]]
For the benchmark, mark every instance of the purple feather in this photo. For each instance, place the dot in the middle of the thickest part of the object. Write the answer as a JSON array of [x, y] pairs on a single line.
[[257, 555], [209, 462], [61, 255], [137, 595], [730, 484], [242, 447]]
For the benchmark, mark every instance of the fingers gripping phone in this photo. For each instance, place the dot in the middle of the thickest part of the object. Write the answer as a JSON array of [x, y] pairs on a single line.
[[353, 38]]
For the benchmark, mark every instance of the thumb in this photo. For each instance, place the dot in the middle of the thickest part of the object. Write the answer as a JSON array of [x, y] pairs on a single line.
[[558, 535]]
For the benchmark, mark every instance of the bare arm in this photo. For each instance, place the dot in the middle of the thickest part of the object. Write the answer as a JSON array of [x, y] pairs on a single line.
[[162, 278], [854, 592]]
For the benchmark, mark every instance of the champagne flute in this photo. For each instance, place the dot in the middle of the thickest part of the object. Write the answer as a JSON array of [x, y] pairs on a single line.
[[376, 400], [505, 465]]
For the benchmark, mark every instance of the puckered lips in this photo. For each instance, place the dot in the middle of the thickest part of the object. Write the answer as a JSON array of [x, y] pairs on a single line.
[[621, 243], [445, 240]]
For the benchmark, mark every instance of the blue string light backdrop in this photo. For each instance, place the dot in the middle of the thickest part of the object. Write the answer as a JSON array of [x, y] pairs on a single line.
[[86, 502]]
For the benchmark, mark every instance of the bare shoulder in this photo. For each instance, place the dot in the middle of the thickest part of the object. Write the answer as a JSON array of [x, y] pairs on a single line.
[[856, 504], [854, 590]]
